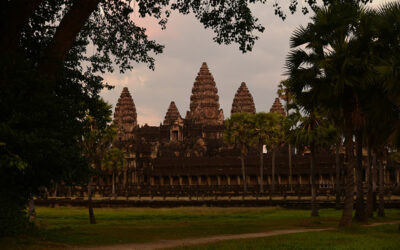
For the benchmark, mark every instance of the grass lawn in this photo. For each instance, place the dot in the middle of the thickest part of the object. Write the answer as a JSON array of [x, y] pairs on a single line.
[[63, 226], [379, 237]]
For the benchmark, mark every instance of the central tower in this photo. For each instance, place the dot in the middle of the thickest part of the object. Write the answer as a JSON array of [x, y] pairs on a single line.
[[204, 101]]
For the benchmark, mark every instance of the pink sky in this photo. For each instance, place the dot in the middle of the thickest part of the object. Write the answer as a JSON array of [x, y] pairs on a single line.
[[187, 45]]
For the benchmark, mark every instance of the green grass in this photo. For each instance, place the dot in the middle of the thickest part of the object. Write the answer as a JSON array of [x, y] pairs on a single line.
[[70, 226], [379, 237]]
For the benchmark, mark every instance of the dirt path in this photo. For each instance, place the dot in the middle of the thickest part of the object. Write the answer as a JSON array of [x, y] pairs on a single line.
[[197, 241]]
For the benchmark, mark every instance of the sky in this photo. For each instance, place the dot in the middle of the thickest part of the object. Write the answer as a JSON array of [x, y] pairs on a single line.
[[187, 45]]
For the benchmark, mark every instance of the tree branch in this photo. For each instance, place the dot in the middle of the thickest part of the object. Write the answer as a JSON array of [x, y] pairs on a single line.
[[65, 35]]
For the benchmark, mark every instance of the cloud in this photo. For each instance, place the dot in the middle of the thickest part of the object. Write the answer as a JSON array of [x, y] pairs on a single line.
[[147, 115]]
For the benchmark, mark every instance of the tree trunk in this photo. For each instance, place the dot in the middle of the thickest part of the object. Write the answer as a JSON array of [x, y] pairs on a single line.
[[92, 219], [338, 167], [360, 206], [113, 184], [374, 179], [65, 36], [31, 210], [370, 195], [261, 168], [243, 174], [125, 178], [314, 209], [55, 190], [290, 167], [273, 171], [381, 208], [347, 215]]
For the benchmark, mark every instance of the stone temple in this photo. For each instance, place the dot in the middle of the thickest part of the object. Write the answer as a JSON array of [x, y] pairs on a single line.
[[190, 151], [243, 101], [204, 101]]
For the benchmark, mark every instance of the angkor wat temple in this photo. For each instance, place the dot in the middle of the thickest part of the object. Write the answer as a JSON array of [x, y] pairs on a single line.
[[190, 150]]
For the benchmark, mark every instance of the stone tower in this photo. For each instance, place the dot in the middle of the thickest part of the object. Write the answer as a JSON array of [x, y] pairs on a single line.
[[172, 114], [243, 101], [125, 116], [277, 107], [204, 101]]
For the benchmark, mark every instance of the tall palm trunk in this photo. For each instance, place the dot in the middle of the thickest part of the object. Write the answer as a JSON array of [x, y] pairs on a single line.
[[381, 208], [92, 218], [113, 183], [370, 195], [360, 206], [314, 209], [55, 190], [347, 215], [290, 167], [261, 168], [273, 171], [243, 174], [337, 188], [374, 179]]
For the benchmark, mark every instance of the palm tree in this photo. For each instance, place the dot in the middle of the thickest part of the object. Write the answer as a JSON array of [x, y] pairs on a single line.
[[312, 131], [284, 94], [238, 133], [97, 138], [113, 161], [383, 94], [327, 69], [268, 129]]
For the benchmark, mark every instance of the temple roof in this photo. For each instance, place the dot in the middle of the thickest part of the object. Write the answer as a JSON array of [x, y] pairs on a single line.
[[204, 101], [172, 114], [277, 107], [125, 112], [243, 101]]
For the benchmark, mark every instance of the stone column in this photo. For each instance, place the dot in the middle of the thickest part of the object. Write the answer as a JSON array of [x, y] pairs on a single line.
[[152, 180], [279, 179], [208, 180], [300, 180], [190, 180], [162, 180], [239, 180], [180, 180], [228, 178], [219, 180], [171, 180], [199, 180], [386, 175]]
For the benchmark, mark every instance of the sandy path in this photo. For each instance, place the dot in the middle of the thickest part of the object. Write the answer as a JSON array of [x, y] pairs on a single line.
[[196, 241]]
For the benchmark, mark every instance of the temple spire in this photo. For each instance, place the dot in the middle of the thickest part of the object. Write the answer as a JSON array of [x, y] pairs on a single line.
[[204, 105], [125, 116], [172, 114], [277, 107], [243, 101]]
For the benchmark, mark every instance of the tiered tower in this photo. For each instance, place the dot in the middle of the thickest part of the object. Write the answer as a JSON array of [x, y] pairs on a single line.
[[204, 101], [243, 101], [277, 107], [125, 116], [172, 114]]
